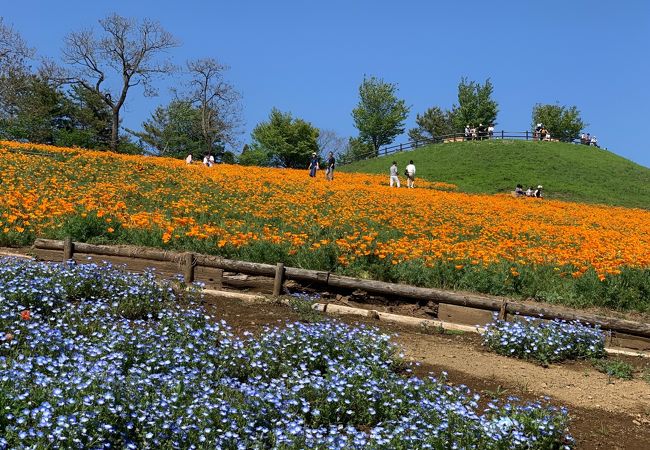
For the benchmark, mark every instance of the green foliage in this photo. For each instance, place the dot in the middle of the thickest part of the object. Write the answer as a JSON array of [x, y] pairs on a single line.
[[563, 122], [433, 123], [568, 172], [40, 112], [36, 109], [88, 227], [475, 104], [288, 142], [251, 157], [614, 368], [174, 130], [380, 115], [303, 306]]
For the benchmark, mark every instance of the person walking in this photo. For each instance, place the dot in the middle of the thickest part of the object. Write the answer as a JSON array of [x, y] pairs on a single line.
[[313, 165], [394, 179], [331, 161], [410, 174]]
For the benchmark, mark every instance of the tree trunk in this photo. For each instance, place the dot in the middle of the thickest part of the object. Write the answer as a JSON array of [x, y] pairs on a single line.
[[114, 129]]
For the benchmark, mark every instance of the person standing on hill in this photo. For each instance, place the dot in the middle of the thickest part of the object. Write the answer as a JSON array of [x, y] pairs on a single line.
[[313, 165], [394, 179], [331, 161], [410, 174]]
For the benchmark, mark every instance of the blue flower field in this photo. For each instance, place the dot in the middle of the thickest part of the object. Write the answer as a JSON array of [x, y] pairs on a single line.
[[94, 357]]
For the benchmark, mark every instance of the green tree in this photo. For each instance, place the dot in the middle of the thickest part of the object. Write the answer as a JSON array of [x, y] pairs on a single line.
[[287, 142], [174, 130], [250, 157], [475, 104], [563, 122], [380, 115], [90, 121], [434, 123]]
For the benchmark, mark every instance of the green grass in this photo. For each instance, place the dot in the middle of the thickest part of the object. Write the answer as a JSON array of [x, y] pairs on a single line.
[[615, 368], [568, 172]]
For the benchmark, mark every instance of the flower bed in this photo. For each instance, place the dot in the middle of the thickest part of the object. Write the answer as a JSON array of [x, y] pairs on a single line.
[[85, 368], [544, 341], [553, 251]]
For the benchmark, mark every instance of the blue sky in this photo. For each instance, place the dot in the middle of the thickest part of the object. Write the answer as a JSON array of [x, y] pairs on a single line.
[[309, 57]]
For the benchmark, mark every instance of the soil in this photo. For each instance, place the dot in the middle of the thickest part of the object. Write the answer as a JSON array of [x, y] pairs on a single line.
[[605, 414]]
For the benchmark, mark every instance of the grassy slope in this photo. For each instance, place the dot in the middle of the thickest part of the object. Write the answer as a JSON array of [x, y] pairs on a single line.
[[567, 171]]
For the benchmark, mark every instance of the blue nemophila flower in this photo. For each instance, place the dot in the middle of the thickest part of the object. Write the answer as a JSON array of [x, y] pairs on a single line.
[[113, 360], [545, 341]]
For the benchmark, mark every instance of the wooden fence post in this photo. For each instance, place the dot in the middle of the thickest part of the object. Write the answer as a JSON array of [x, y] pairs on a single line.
[[188, 267], [501, 134], [279, 279], [68, 249], [503, 311], [526, 134]]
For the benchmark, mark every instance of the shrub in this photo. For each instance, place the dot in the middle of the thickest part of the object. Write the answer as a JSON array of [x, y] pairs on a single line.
[[544, 341], [615, 368]]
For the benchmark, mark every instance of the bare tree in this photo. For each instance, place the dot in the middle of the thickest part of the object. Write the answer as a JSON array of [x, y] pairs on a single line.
[[329, 141], [217, 101], [13, 49], [128, 50], [14, 72]]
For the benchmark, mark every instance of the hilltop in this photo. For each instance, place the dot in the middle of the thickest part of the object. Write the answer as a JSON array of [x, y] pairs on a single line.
[[567, 171]]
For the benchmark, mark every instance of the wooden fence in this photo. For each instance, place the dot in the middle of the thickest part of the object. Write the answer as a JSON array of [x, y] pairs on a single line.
[[455, 137], [187, 263]]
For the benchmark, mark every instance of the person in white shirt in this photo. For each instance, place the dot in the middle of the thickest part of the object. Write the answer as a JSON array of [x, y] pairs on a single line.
[[410, 174], [188, 160], [394, 179]]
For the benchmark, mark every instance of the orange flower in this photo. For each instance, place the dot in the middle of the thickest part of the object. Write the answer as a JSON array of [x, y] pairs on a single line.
[[25, 314]]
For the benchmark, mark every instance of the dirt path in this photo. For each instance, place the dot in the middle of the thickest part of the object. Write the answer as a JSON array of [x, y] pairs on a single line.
[[573, 384]]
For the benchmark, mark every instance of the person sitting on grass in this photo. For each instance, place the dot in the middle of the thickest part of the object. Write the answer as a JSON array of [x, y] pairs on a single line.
[[530, 192], [538, 192], [519, 191]]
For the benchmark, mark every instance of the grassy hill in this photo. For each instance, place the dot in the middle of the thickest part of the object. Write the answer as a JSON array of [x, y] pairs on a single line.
[[567, 171]]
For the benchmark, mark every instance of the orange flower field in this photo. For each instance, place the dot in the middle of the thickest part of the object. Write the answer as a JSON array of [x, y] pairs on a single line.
[[356, 221]]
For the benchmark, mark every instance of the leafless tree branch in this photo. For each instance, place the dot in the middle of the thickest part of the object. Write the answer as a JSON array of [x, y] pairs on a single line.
[[126, 50]]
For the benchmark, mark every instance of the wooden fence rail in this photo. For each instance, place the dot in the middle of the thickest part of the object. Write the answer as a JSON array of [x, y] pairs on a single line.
[[490, 303], [455, 137]]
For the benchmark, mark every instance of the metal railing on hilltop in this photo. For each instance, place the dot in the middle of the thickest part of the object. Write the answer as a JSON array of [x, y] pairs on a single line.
[[455, 137]]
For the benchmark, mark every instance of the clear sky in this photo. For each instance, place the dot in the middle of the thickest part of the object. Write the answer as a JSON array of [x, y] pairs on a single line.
[[309, 57]]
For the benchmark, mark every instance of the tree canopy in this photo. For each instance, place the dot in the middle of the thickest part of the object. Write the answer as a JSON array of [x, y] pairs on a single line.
[[475, 104], [287, 142], [174, 130], [380, 115], [434, 123], [563, 122]]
